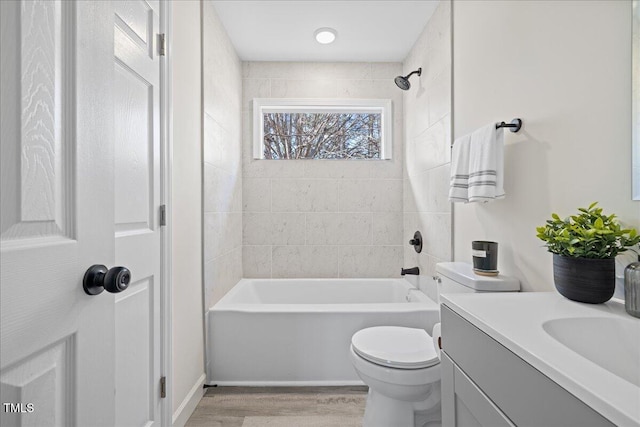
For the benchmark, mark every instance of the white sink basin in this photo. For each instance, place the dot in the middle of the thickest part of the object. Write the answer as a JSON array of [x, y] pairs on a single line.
[[611, 343]]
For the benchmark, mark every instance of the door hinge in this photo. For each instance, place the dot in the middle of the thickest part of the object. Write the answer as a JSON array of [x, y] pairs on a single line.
[[163, 215], [163, 387], [162, 45]]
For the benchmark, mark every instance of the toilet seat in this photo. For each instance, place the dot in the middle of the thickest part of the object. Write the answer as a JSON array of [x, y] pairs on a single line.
[[395, 347]]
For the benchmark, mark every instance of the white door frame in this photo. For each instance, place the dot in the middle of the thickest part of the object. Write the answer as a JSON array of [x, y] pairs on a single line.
[[166, 162]]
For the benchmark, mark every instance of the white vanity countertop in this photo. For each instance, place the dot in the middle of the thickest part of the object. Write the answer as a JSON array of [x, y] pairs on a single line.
[[515, 320]]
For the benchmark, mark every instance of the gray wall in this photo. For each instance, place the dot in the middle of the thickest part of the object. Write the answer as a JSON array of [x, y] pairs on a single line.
[[186, 211]]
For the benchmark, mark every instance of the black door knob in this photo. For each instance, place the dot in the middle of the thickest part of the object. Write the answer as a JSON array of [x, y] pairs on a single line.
[[98, 278]]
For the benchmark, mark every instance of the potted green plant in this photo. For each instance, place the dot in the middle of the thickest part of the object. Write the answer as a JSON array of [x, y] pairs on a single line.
[[584, 247]]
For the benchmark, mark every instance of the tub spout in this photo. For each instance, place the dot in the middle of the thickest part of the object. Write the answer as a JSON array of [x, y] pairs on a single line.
[[413, 270]]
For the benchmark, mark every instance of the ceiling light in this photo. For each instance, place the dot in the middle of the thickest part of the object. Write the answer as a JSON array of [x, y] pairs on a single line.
[[325, 35]]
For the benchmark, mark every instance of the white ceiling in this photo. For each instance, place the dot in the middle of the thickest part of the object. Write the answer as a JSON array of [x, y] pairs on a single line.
[[368, 31]]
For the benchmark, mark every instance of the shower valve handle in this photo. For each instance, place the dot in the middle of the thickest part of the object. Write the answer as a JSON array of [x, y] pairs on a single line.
[[416, 242], [99, 278]]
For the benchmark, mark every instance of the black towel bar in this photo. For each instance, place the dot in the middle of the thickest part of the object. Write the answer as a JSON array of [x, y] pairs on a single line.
[[514, 126]]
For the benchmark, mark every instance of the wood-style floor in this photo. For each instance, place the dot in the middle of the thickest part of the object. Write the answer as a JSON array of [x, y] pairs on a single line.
[[280, 407]]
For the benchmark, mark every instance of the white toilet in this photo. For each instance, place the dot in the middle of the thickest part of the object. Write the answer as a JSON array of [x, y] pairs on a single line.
[[401, 365]]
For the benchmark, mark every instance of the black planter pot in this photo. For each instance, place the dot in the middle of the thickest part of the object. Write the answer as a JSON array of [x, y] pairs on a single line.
[[585, 280]]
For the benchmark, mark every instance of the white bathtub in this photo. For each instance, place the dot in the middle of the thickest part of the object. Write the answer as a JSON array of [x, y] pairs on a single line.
[[298, 331]]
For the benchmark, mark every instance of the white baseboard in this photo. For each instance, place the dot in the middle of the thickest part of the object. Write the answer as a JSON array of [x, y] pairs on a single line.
[[331, 383], [188, 405]]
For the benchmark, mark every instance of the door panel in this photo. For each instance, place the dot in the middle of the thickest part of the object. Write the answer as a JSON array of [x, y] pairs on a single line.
[[134, 326], [56, 169], [37, 193], [134, 150], [137, 202], [45, 381]]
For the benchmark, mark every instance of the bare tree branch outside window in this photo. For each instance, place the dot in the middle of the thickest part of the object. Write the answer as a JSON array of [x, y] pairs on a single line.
[[322, 135]]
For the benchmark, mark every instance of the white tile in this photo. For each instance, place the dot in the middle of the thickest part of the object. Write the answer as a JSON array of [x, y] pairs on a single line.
[[427, 264], [408, 196], [337, 70], [219, 190], [254, 88], [410, 161], [387, 228], [273, 70], [247, 135], [338, 229], [370, 261], [432, 147], [273, 228], [439, 99], [256, 195], [416, 57], [233, 232], [236, 195], [208, 284], [221, 147], [304, 195], [211, 140], [338, 168], [257, 168], [431, 190], [436, 232], [373, 89], [438, 32], [256, 228], [439, 188], [211, 235], [425, 281], [370, 195], [386, 169], [385, 70], [418, 120], [222, 233], [256, 261], [304, 261], [286, 88], [225, 273]]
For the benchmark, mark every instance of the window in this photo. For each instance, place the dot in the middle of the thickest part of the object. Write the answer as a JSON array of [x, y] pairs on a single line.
[[358, 129]]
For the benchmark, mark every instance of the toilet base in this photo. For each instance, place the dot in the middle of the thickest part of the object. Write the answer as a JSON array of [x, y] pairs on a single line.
[[383, 411]]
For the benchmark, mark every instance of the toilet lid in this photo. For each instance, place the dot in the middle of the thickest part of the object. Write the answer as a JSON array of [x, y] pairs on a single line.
[[395, 347]]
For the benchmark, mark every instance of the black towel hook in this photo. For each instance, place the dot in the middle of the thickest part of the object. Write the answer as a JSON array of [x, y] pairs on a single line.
[[514, 126]]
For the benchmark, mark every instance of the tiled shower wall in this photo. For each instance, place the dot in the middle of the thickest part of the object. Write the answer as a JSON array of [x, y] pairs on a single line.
[[427, 108], [222, 187], [321, 218]]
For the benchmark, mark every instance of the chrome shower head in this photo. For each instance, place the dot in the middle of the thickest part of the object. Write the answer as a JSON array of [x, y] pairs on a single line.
[[403, 82]]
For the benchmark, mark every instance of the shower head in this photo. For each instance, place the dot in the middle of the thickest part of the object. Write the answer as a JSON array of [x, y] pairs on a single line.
[[403, 82]]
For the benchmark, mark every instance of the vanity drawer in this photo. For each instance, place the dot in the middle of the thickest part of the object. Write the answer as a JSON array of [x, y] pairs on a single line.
[[522, 393]]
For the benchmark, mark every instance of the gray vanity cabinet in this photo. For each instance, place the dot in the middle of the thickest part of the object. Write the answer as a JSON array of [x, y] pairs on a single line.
[[485, 384]]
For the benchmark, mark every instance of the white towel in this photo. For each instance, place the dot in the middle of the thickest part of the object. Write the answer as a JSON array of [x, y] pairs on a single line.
[[459, 183], [486, 164]]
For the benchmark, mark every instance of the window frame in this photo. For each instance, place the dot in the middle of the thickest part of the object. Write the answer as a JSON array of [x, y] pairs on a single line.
[[323, 105]]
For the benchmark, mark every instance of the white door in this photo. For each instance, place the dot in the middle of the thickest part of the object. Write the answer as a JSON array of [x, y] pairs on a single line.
[[137, 215], [57, 212]]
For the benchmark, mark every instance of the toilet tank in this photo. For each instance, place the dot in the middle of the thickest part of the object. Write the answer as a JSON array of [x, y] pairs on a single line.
[[458, 277]]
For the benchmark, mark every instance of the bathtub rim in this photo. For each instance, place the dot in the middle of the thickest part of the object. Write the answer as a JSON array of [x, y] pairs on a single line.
[[424, 300]]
